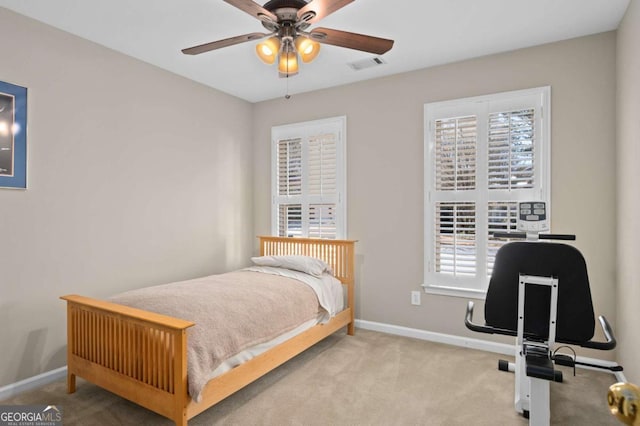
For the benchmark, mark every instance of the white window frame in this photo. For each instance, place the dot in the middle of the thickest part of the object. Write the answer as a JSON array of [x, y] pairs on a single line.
[[481, 106], [305, 130]]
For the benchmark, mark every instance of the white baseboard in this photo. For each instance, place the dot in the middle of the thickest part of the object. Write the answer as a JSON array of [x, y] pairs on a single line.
[[13, 389], [466, 342], [449, 339]]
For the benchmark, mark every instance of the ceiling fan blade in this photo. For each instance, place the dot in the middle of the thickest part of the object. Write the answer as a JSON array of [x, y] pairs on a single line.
[[195, 50], [315, 10], [253, 9], [352, 40]]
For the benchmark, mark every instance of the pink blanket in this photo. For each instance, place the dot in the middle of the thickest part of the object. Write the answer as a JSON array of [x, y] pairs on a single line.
[[232, 312]]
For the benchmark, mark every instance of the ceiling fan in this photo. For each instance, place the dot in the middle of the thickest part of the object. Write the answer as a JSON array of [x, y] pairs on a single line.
[[287, 22]]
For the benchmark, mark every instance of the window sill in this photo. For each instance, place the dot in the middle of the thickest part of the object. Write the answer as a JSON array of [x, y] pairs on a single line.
[[454, 292]]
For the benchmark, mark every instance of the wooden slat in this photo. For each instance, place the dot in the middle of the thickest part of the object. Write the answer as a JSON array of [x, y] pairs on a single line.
[[127, 387]]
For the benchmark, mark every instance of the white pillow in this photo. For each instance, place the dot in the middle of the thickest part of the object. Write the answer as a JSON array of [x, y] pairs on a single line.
[[306, 264]]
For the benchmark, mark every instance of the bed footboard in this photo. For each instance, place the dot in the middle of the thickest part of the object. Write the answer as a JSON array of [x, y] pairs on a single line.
[[138, 355]]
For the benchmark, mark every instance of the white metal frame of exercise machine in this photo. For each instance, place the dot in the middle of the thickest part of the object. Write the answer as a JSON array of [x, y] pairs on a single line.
[[535, 390], [535, 354]]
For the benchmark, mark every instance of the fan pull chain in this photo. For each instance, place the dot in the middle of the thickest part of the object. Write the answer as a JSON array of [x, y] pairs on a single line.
[[287, 95]]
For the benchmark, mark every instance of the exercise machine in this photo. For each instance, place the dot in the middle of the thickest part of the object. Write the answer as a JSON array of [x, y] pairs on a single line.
[[539, 293]]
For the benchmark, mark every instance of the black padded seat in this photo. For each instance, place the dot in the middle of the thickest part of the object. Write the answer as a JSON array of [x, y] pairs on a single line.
[[575, 317]]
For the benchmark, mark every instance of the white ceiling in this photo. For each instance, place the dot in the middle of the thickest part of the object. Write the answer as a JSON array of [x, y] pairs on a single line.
[[426, 33]]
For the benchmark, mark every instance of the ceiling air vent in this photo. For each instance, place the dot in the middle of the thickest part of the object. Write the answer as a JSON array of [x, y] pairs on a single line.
[[366, 63]]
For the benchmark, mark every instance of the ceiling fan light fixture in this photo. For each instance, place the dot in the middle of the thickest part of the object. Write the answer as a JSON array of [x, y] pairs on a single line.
[[288, 63], [268, 50], [307, 48], [288, 42]]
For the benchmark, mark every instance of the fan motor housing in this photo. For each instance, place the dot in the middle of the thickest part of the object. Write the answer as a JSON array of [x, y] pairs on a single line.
[[285, 10], [279, 4]]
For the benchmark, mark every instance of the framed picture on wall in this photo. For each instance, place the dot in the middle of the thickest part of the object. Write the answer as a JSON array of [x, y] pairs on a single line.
[[13, 136]]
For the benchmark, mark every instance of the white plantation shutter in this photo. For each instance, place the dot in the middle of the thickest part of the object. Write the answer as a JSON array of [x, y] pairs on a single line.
[[289, 167], [290, 220], [456, 238], [455, 148], [309, 179], [511, 149], [501, 217], [482, 156], [323, 163], [322, 221], [455, 170]]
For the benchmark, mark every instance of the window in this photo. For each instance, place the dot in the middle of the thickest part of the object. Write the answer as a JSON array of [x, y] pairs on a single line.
[[483, 155], [309, 179]]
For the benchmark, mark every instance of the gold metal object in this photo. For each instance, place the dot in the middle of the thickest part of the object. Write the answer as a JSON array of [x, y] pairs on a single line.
[[624, 403]]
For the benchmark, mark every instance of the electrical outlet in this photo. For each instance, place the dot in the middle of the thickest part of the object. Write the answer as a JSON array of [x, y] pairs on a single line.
[[415, 298]]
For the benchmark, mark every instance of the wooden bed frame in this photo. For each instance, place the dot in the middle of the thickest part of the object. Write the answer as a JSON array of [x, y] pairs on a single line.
[[142, 356]]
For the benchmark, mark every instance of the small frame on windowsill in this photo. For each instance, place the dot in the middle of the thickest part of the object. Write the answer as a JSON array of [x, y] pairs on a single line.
[[13, 136]]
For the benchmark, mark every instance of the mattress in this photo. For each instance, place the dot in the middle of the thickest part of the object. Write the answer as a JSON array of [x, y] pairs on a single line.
[[240, 314]]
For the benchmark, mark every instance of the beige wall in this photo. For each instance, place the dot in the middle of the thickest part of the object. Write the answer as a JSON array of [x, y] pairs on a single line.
[[136, 176], [385, 167], [628, 126]]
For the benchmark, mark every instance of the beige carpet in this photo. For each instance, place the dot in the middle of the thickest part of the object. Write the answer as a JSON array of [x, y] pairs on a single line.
[[368, 379]]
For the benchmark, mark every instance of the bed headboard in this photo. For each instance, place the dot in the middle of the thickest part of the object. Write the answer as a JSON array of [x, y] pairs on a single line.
[[339, 254]]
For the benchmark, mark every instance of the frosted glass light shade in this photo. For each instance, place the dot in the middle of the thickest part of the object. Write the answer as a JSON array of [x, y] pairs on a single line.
[[307, 48], [268, 50], [288, 63]]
